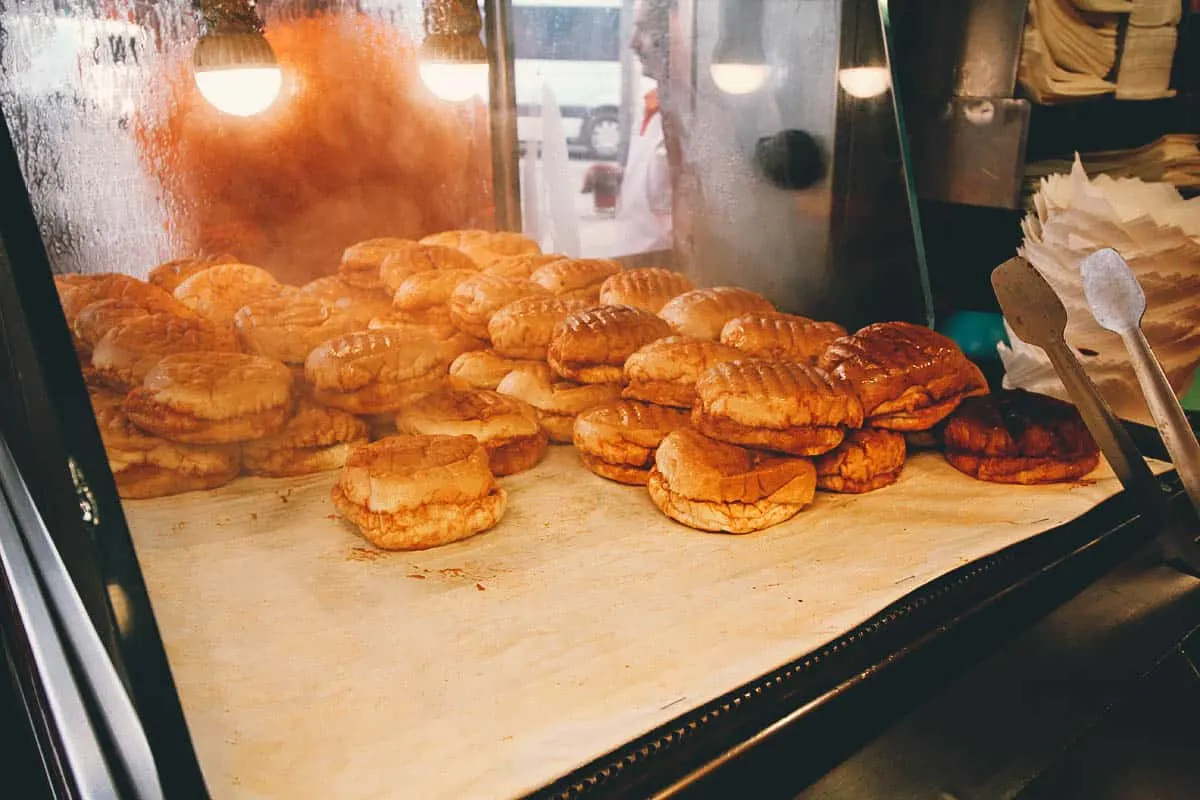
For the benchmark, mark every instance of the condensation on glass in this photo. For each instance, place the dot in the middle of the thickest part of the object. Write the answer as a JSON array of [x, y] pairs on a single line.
[[128, 166]]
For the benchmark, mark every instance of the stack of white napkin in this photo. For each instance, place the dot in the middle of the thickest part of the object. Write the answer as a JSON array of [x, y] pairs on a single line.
[[1149, 49], [1070, 49], [1158, 233], [1173, 158]]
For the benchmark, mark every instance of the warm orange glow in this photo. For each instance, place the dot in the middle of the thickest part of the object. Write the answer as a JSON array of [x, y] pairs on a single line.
[[354, 148]]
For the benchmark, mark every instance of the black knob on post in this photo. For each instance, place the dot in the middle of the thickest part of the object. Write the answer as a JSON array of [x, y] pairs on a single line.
[[790, 159]]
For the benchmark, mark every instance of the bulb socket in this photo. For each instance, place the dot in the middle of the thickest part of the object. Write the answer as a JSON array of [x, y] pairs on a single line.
[[233, 51]]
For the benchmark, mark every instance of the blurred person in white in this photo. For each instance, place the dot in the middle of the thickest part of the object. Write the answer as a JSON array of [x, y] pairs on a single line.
[[643, 213]]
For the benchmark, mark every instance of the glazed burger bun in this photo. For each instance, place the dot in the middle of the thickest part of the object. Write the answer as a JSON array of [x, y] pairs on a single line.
[[287, 329], [575, 274], [131, 348], [376, 371], [219, 291], [507, 427], [591, 346], [521, 266], [703, 313], [714, 486], [485, 247], [169, 274], [908, 377], [484, 369], [556, 401], [648, 289], [429, 289], [775, 405], [476, 300], [617, 440], [666, 370], [146, 466], [212, 398], [315, 439], [362, 262], [417, 492], [1020, 437], [779, 336], [523, 329], [415, 259], [868, 459]]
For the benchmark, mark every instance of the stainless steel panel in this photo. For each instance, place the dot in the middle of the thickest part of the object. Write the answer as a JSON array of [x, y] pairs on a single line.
[[970, 150]]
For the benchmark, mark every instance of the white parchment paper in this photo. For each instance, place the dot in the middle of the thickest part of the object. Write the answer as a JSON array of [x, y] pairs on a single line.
[[311, 665]]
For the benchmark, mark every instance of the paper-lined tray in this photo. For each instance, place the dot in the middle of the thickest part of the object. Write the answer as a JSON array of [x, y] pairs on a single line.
[[310, 664]]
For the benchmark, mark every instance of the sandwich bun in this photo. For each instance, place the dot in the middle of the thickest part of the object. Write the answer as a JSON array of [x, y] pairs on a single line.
[[484, 369], [703, 313], [507, 427], [908, 377], [556, 401], [130, 348], [77, 291], [413, 258], [648, 289], [315, 439], [1019, 437], [99, 317], [868, 459], [146, 466], [521, 266], [779, 336], [617, 440], [362, 262], [169, 274], [212, 398], [375, 371], [430, 289], [591, 346], [476, 300], [524, 328], [666, 370], [417, 492], [714, 486], [288, 328], [775, 405], [485, 247], [219, 291], [575, 274], [360, 304]]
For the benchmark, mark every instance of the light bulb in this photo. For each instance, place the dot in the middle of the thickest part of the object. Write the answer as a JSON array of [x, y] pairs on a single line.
[[865, 82], [739, 78], [453, 82], [240, 91]]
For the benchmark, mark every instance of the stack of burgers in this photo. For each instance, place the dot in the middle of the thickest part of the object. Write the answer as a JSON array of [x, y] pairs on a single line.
[[426, 370]]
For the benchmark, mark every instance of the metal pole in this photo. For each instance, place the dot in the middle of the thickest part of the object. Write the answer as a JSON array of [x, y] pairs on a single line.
[[506, 182], [631, 73]]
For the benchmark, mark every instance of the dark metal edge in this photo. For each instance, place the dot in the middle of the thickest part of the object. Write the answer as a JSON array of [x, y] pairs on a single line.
[[688, 744], [104, 557]]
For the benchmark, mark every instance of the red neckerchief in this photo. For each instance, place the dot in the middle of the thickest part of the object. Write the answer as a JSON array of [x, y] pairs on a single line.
[[651, 109]]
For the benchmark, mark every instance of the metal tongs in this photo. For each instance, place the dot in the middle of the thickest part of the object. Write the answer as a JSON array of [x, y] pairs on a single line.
[[1036, 314]]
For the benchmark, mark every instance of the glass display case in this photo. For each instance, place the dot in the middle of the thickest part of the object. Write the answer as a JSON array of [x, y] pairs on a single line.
[[219, 205]]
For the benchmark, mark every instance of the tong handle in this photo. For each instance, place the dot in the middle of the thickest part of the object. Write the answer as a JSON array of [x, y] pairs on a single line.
[[1169, 418], [1111, 435]]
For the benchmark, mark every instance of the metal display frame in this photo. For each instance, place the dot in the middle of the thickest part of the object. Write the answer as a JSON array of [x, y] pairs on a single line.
[[831, 700]]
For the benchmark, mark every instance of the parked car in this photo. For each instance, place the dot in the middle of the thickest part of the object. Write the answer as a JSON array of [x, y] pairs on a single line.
[[575, 47]]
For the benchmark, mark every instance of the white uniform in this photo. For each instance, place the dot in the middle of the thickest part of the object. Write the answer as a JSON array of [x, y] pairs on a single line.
[[644, 207]]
